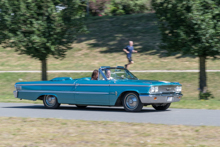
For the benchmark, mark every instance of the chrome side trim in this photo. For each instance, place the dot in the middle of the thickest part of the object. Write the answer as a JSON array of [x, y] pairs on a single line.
[[46, 84], [149, 99], [129, 85], [77, 92], [93, 85], [15, 94], [91, 92], [82, 85], [46, 91]]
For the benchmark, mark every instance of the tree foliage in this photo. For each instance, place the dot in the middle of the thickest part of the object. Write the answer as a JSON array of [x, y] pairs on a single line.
[[39, 28], [191, 27], [119, 7]]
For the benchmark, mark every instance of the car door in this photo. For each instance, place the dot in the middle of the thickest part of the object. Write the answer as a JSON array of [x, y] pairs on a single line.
[[95, 92]]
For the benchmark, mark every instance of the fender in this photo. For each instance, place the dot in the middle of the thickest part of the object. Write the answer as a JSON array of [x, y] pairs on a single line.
[[118, 101]]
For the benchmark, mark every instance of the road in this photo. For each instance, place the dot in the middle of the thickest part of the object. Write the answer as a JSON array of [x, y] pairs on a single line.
[[81, 71], [194, 117]]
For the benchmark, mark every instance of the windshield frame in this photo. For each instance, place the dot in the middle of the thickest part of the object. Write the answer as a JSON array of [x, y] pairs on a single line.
[[127, 71]]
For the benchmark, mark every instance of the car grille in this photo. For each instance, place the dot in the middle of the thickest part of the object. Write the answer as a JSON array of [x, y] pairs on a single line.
[[167, 89]]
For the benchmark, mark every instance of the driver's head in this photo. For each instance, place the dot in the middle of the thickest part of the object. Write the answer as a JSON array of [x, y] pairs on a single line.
[[107, 73]]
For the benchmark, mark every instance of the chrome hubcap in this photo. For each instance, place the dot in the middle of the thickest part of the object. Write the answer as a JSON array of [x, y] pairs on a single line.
[[50, 100], [131, 102]]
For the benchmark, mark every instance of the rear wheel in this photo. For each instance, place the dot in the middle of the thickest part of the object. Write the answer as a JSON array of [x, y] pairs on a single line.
[[81, 106], [161, 106], [131, 102], [50, 101]]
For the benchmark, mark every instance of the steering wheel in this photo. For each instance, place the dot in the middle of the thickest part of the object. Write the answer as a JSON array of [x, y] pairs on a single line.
[[122, 77]]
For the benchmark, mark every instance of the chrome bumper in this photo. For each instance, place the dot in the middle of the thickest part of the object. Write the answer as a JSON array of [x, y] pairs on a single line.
[[15, 94], [154, 99]]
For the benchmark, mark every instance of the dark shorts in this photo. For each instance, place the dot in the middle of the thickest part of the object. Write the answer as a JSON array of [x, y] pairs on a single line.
[[129, 59]]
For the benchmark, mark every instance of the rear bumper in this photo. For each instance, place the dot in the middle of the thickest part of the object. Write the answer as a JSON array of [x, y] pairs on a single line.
[[155, 99], [15, 94]]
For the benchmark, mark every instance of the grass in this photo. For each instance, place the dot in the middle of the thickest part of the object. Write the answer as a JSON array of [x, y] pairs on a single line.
[[40, 132], [188, 80], [103, 46], [197, 104]]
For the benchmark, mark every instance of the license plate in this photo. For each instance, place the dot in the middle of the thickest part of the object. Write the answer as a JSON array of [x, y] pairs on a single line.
[[169, 99]]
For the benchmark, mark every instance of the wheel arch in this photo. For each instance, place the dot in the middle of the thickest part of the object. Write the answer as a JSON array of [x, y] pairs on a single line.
[[41, 96], [119, 99]]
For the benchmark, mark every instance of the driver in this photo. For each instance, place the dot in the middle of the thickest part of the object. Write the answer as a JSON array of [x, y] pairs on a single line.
[[108, 74]]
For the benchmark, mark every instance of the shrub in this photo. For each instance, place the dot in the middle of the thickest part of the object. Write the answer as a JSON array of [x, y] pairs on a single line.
[[206, 96], [97, 7]]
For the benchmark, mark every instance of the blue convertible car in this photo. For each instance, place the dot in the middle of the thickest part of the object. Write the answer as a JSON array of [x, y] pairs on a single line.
[[122, 89]]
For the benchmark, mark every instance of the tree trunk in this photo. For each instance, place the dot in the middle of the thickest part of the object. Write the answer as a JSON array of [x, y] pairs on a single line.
[[202, 76], [44, 70]]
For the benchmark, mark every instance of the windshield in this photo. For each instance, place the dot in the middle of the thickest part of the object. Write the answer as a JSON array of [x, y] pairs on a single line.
[[118, 74]]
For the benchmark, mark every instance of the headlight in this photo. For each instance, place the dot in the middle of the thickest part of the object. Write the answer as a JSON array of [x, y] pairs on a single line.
[[178, 88], [154, 89]]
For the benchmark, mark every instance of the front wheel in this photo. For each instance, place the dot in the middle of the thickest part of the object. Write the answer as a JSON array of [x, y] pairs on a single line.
[[132, 103], [161, 106], [50, 101]]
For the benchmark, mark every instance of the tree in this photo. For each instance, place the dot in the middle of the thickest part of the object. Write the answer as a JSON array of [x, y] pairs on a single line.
[[3, 34], [191, 27], [40, 28]]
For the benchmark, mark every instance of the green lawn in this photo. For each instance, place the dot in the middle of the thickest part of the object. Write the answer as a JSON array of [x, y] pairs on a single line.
[[188, 80], [104, 44]]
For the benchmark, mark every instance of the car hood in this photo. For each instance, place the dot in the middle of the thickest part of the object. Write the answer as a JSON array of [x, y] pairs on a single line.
[[147, 82]]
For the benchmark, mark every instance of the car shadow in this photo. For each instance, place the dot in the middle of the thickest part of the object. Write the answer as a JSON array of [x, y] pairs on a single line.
[[89, 108]]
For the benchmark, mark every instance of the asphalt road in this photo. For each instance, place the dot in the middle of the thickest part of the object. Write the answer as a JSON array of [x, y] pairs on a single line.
[[80, 71], [195, 117]]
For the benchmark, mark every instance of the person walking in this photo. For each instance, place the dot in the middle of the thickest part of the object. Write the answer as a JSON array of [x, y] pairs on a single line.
[[129, 50]]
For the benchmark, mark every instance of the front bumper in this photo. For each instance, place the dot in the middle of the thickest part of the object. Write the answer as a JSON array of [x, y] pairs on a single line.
[[15, 94], [156, 99]]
